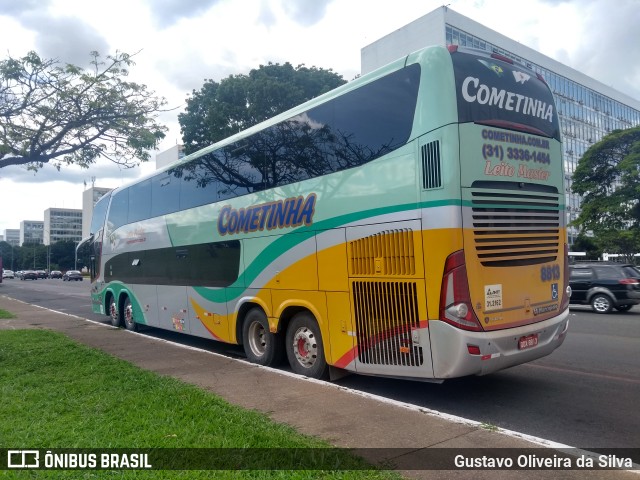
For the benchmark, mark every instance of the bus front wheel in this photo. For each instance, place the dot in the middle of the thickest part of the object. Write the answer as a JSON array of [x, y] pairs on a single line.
[[260, 344], [304, 347]]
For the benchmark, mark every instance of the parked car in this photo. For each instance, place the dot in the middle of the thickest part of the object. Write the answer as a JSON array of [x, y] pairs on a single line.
[[29, 275], [55, 274], [42, 274], [72, 275], [8, 274], [605, 286]]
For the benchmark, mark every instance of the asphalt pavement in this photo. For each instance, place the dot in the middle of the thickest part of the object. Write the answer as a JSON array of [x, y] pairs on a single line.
[[412, 439]]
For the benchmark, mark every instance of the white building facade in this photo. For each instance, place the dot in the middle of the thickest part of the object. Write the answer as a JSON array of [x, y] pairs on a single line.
[[31, 232], [12, 236], [89, 198], [62, 225], [588, 109]]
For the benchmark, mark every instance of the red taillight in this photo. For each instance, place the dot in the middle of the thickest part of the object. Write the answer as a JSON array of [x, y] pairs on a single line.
[[565, 275], [455, 301], [497, 56], [628, 281], [473, 349]]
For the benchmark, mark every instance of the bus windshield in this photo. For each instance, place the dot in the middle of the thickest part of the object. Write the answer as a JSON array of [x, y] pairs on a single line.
[[503, 94]]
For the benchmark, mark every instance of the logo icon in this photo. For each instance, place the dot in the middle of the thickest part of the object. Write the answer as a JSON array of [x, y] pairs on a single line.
[[23, 459], [521, 77], [554, 291], [494, 67]]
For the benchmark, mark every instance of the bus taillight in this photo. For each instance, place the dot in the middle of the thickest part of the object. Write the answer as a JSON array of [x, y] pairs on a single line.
[[566, 291], [455, 301]]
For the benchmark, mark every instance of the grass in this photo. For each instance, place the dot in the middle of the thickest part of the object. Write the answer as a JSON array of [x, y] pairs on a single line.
[[59, 394], [6, 315]]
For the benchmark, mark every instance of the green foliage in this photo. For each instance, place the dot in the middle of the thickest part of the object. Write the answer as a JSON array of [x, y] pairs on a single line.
[[624, 242], [61, 256], [588, 245], [608, 178], [237, 102], [59, 394], [62, 114]]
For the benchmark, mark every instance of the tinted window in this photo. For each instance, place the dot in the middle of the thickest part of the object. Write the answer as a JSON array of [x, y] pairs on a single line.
[[139, 201], [99, 213], [493, 90], [199, 185], [611, 273], [631, 272], [348, 131], [165, 193], [205, 265], [581, 274], [119, 208]]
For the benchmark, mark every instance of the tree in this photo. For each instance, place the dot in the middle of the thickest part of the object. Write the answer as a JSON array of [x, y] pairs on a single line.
[[219, 110], [588, 245], [62, 114], [608, 178]]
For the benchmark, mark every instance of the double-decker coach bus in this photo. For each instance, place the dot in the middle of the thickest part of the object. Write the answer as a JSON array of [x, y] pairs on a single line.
[[407, 224]]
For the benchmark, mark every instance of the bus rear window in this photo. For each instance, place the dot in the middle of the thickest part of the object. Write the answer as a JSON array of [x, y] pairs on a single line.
[[494, 92]]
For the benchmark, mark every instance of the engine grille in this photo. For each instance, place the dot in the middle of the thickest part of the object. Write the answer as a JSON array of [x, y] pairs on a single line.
[[390, 252], [519, 225], [385, 315]]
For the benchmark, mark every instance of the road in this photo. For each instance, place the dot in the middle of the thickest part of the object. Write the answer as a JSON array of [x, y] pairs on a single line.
[[585, 394]]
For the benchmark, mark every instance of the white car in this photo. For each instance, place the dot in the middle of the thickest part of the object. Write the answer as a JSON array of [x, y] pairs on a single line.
[[8, 274]]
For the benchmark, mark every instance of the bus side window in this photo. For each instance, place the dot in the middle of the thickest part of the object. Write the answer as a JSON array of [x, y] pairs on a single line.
[[165, 193]]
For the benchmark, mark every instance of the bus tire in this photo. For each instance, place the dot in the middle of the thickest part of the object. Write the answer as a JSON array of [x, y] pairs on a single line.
[[114, 312], [129, 320], [304, 347], [261, 345]]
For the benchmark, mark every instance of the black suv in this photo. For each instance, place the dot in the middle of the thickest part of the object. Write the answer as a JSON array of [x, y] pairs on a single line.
[[605, 286]]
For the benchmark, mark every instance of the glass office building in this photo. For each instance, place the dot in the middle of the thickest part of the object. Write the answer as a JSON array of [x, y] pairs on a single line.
[[588, 109], [62, 225]]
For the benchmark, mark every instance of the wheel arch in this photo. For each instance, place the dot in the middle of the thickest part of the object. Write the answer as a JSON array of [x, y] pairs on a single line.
[[600, 290], [244, 306]]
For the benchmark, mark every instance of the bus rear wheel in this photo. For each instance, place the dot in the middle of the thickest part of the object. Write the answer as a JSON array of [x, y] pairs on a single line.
[[129, 320], [261, 345], [114, 312], [304, 347]]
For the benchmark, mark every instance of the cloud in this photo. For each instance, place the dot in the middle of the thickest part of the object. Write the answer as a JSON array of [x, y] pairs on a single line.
[[67, 39], [266, 16], [306, 12], [105, 173], [167, 12], [17, 8], [613, 43]]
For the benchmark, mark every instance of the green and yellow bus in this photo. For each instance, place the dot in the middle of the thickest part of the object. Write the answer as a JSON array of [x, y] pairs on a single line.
[[408, 224]]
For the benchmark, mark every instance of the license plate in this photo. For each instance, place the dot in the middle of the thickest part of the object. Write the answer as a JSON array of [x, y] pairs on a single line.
[[529, 341]]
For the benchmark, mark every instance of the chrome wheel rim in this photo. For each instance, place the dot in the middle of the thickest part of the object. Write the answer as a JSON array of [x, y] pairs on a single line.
[[257, 339], [305, 347], [601, 304], [128, 314], [113, 310]]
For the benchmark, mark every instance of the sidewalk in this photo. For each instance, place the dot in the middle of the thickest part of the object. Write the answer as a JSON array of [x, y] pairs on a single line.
[[340, 417]]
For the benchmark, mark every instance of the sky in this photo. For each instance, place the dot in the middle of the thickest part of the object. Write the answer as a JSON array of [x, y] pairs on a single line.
[[181, 43]]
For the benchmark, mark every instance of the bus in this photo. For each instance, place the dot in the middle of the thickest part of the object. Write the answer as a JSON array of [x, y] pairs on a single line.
[[407, 224]]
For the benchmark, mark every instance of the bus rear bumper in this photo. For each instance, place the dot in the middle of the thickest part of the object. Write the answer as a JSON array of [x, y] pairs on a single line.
[[453, 357]]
